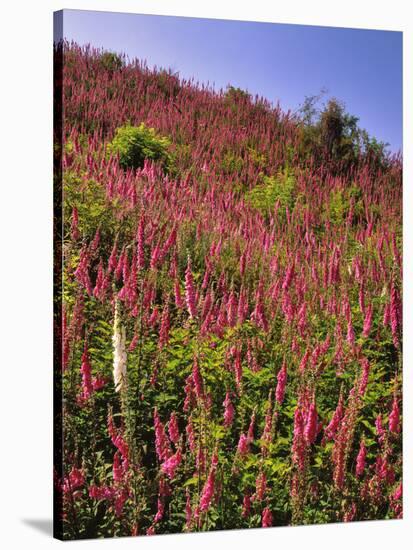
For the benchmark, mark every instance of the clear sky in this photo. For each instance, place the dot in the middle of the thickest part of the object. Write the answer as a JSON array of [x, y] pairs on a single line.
[[281, 62]]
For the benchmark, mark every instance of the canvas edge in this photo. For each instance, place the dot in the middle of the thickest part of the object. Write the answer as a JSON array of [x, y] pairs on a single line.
[[57, 273]]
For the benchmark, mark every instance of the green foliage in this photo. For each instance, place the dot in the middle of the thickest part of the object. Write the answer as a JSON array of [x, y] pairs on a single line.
[[273, 189], [235, 95], [259, 159], [232, 163], [332, 126], [111, 61], [183, 154], [340, 203], [375, 151], [308, 111], [89, 198], [333, 134], [134, 144], [168, 83], [338, 207]]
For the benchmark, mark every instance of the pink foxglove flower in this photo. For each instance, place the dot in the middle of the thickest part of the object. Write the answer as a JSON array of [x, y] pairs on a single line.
[[228, 411], [82, 271], [246, 506], [95, 243], [361, 459], [380, 429], [368, 319], [207, 491], [394, 314], [310, 429], [394, 418], [267, 517], [364, 376], [101, 493], [134, 343], [350, 513], [238, 371], [398, 492], [281, 383], [113, 261], [289, 275], [173, 429], [165, 326], [190, 294], [178, 297], [117, 469], [332, 427], [98, 382], [85, 369], [250, 433], [190, 436], [75, 224], [350, 333], [260, 486], [74, 480], [190, 396], [159, 514], [243, 447], [141, 244], [232, 308], [101, 283], [188, 509], [304, 361], [298, 447], [162, 446], [197, 379], [170, 466]]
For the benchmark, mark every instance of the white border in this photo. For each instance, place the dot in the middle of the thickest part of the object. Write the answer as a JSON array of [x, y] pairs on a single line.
[[26, 266]]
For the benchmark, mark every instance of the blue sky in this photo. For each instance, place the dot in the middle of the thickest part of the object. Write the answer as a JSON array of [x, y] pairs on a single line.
[[281, 62]]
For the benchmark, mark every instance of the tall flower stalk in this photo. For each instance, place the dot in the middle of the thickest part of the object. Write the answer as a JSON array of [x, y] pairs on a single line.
[[119, 351]]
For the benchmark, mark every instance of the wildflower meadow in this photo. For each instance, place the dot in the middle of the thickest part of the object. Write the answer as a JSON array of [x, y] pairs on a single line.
[[228, 316]]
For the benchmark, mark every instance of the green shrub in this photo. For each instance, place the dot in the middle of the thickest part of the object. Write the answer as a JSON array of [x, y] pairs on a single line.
[[237, 95], [259, 159], [273, 188], [168, 83], [236, 99], [134, 144], [111, 61], [232, 163], [338, 208], [340, 201]]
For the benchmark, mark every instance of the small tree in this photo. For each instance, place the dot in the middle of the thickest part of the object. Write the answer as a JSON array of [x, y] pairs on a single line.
[[331, 126], [332, 134], [308, 112]]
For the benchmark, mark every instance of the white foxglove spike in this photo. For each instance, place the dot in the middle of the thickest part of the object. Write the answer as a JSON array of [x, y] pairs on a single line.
[[119, 351]]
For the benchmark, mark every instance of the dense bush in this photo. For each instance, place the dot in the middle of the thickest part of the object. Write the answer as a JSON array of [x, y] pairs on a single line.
[[134, 144], [111, 61], [273, 190]]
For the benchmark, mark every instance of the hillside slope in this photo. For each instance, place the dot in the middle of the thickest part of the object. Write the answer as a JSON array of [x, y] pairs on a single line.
[[231, 312]]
